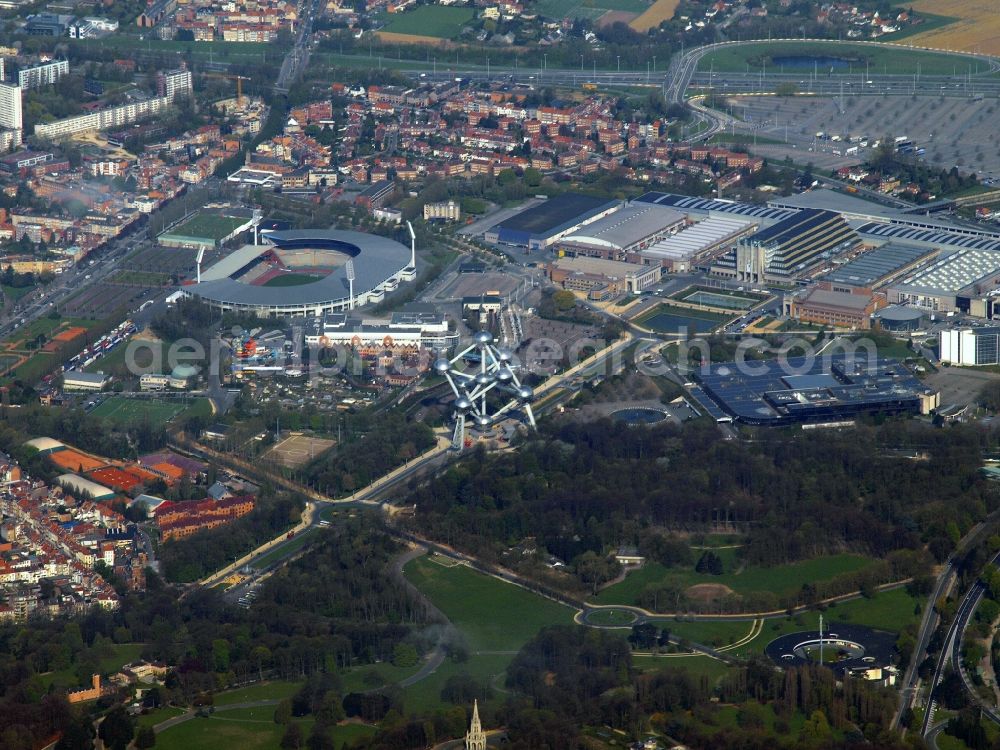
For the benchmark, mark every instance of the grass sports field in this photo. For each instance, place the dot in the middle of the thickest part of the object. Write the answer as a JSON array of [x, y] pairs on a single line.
[[208, 225], [439, 21], [293, 279], [782, 580], [124, 411], [666, 318], [758, 57], [593, 9]]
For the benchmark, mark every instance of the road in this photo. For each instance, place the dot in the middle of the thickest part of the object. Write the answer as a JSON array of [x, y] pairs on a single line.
[[950, 658], [297, 57]]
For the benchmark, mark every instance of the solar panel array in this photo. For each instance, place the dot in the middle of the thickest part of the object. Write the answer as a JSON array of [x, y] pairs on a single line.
[[763, 392], [688, 203], [876, 264], [931, 236]]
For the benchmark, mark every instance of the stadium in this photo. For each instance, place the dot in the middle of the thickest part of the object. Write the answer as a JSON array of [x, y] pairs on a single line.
[[306, 273]]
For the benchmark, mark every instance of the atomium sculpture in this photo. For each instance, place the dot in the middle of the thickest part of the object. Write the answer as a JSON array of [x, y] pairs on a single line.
[[495, 373]]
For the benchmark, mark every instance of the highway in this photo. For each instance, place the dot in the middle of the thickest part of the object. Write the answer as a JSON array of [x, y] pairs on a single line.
[[950, 657]]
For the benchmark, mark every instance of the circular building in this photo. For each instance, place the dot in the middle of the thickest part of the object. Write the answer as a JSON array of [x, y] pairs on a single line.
[[307, 272], [901, 318]]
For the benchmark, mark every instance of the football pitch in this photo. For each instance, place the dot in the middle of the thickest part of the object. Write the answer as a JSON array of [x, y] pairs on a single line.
[[211, 226], [431, 20], [129, 411]]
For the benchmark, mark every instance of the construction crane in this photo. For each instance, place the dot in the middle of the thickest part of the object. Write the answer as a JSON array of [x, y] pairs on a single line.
[[239, 83]]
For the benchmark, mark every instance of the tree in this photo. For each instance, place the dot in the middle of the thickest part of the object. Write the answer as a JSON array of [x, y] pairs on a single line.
[[283, 712], [117, 729], [145, 738], [292, 738], [564, 300], [404, 655]]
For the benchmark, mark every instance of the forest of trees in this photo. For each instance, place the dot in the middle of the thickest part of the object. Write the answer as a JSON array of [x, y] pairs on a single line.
[[194, 557], [333, 607], [383, 444], [583, 490]]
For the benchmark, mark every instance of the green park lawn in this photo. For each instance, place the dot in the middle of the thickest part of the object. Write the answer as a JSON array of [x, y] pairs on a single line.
[[493, 615], [260, 691], [496, 619], [225, 729], [781, 580]]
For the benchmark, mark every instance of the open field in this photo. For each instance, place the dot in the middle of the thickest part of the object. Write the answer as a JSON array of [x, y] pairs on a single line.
[[657, 13], [858, 59], [974, 25], [782, 580], [236, 729], [125, 411], [494, 615], [259, 691], [666, 318], [437, 21], [697, 666]]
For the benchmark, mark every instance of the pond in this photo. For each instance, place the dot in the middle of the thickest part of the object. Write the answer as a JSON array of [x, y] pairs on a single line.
[[810, 62]]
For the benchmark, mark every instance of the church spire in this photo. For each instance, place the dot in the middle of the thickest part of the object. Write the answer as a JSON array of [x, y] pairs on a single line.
[[476, 738]]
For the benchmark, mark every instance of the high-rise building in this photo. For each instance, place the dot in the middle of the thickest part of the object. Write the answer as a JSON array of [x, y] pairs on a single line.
[[42, 74], [174, 83], [10, 106]]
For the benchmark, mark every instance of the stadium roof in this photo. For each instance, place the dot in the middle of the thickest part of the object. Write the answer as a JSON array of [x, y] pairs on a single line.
[[628, 226], [706, 205], [376, 259], [554, 212], [877, 264]]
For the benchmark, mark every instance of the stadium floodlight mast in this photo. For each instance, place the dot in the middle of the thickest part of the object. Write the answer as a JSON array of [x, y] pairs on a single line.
[[201, 257], [495, 373], [350, 281]]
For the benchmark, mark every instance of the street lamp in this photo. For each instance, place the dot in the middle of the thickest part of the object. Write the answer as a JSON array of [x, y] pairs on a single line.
[[619, 58]]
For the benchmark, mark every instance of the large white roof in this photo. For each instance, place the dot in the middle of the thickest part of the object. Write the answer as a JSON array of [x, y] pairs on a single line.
[[45, 444], [627, 226]]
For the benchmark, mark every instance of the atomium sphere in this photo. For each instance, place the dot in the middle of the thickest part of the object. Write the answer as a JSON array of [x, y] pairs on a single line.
[[525, 393], [482, 420], [505, 355], [442, 366], [504, 375], [483, 337], [462, 403], [484, 378]]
